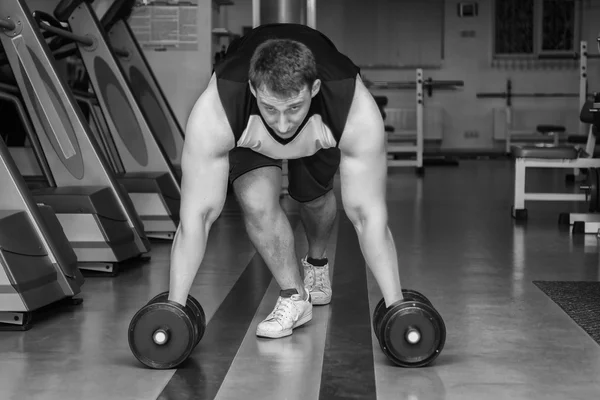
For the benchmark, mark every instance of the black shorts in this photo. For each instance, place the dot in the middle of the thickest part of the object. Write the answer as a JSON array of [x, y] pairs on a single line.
[[309, 177]]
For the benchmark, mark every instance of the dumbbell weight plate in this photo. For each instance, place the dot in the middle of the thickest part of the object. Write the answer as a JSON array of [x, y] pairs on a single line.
[[193, 306], [162, 335], [414, 295], [412, 334], [378, 315], [198, 311], [380, 307]]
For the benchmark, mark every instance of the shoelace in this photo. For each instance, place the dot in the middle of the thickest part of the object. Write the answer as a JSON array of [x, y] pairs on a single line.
[[320, 277], [283, 309], [310, 275]]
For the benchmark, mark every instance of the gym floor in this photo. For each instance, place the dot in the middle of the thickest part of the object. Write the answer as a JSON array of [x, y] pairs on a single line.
[[456, 243]]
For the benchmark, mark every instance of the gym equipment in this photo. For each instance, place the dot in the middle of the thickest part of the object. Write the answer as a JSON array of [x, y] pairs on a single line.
[[408, 294], [586, 223], [37, 265], [30, 160], [553, 131], [398, 143], [94, 210], [567, 156], [411, 333], [144, 84], [163, 333], [193, 306], [148, 176]]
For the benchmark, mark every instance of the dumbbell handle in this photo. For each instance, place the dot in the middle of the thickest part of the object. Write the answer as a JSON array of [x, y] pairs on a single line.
[[413, 335], [160, 336]]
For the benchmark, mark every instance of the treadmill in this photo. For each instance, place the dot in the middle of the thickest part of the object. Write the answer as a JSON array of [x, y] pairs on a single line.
[[149, 176], [94, 210], [38, 267]]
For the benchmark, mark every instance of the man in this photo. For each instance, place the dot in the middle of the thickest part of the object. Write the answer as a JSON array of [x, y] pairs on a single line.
[[283, 91]]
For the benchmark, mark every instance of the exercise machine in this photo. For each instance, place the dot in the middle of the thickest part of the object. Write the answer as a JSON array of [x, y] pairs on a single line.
[[406, 146], [94, 210], [553, 131], [550, 156], [588, 222], [38, 267], [29, 158], [144, 85], [148, 176]]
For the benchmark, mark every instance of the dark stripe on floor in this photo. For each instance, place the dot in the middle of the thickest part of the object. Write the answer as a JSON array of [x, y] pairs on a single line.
[[348, 370], [201, 376]]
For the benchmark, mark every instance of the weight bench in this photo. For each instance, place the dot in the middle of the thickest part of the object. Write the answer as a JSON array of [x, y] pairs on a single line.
[[554, 156]]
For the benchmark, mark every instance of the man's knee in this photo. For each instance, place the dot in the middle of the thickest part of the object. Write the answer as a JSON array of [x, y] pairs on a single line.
[[257, 193]]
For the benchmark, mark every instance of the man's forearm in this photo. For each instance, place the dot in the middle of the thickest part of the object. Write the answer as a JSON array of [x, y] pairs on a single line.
[[187, 253]]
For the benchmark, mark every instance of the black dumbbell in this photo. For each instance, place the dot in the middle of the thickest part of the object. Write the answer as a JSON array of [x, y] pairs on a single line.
[[193, 306], [411, 333], [415, 295], [163, 333], [407, 294]]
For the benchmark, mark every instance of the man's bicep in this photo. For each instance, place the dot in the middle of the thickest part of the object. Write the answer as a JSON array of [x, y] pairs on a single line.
[[363, 179], [363, 165]]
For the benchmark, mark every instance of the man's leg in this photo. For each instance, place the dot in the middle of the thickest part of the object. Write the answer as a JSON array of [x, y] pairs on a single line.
[[267, 225], [317, 217], [311, 184], [269, 230]]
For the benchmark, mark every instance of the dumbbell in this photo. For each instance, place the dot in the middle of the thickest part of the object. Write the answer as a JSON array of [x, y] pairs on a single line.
[[411, 333], [163, 333], [406, 293], [194, 307]]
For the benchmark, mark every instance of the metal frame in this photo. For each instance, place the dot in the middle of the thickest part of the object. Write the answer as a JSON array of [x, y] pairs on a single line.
[[416, 148], [521, 196], [583, 58]]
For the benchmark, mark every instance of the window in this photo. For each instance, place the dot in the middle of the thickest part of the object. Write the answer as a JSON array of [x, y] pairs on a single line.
[[532, 27]]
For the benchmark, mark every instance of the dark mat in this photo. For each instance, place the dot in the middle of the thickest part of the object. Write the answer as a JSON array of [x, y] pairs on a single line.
[[580, 300]]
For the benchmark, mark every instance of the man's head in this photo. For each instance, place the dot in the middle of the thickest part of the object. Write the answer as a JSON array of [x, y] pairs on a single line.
[[283, 78]]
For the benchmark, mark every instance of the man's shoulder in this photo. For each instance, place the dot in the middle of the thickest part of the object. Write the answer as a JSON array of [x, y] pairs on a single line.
[[208, 113]]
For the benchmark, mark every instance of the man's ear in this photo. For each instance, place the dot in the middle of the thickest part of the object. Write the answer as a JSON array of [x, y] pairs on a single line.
[[315, 88], [252, 88]]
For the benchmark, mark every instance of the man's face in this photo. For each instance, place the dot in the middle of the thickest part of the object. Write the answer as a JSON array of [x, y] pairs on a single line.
[[284, 115]]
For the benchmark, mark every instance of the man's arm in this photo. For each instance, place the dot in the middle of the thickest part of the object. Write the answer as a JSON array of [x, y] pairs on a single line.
[[205, 167], [363, 171]]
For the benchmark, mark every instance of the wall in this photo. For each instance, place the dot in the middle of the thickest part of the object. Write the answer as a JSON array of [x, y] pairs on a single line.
[[467, 122], [183, 75]]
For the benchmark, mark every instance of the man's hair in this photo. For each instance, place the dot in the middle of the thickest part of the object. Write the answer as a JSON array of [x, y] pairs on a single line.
[[282, 66]]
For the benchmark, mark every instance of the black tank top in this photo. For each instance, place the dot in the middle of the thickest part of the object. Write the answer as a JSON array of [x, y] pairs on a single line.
[[326, 119]]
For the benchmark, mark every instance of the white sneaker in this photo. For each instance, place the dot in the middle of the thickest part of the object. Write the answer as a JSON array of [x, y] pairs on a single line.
[[317, 282], [289, 313]]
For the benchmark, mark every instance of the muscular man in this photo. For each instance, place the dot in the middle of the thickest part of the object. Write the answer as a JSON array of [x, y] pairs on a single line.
[[283, 91]]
